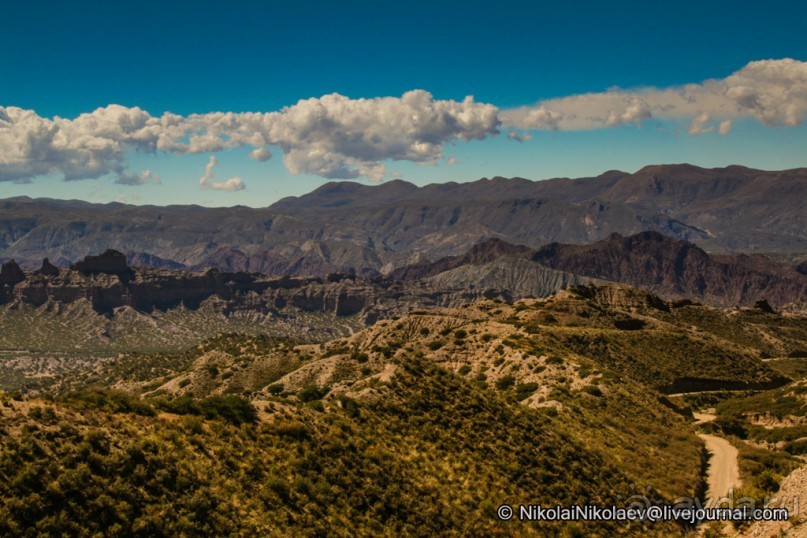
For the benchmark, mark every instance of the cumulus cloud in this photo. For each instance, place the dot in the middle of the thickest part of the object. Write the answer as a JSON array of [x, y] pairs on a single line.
[[206, 181], [336, 137], [519, 137], [340, 138], [146, 176], [332, 136], [699, 124], [774, 92], [261, 154], [451, 161]]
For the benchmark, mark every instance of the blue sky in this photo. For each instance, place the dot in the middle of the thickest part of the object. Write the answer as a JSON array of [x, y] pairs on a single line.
[[201, 57]]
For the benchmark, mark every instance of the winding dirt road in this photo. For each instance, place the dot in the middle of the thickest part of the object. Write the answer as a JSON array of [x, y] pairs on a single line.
[[724, 470]]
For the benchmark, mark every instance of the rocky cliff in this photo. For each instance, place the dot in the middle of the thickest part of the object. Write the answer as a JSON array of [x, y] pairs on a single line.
[[108, 284]]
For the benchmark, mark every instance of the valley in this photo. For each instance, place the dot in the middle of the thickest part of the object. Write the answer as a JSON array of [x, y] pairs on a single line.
[[409, 381]]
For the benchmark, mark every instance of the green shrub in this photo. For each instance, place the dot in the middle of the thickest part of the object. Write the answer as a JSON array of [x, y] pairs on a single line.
[[766, 482], [525, 390], [504, 383], [293, 429], [311, 393], [360, 357], [594, 390], [228, 407], [276, 388], [114, 401], [350, 406], [336, 351]]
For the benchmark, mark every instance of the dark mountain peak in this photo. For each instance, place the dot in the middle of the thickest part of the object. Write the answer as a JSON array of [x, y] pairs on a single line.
[[675, 267], [347, 193], [109, 262], [485, 251], [145, 259], [737, 168], [690, 172], [47, 269], [490, 249], [648, 242], [670, 169], [649, 260], [337, 187], [648, 237], [613, 173], [10, 273], [764, 306]]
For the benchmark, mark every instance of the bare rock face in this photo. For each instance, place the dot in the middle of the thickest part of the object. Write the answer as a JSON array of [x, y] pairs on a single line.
[[10, 273]]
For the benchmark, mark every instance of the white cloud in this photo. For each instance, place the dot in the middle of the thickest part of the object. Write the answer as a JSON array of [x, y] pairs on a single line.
[[261, 154], [773, 92], [206, 181], [451, 161], [146, 176], [519, 137], [699, 124], [332, 136], [337, 137]]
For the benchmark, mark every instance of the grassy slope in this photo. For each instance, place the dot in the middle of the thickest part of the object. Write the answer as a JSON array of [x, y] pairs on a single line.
[[434, 456]]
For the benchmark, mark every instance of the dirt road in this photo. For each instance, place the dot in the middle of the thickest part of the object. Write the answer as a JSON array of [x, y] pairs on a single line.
[[724, 471]]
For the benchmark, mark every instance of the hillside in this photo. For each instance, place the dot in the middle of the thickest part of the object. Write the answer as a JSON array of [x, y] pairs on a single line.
[[428, 421], [579, 353], [435, 455]]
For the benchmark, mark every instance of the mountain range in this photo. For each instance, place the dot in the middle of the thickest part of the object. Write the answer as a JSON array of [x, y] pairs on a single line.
[[370, 230]]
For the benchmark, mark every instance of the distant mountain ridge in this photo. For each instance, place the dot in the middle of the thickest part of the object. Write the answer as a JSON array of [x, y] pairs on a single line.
[[366, 230], [648, 260]]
